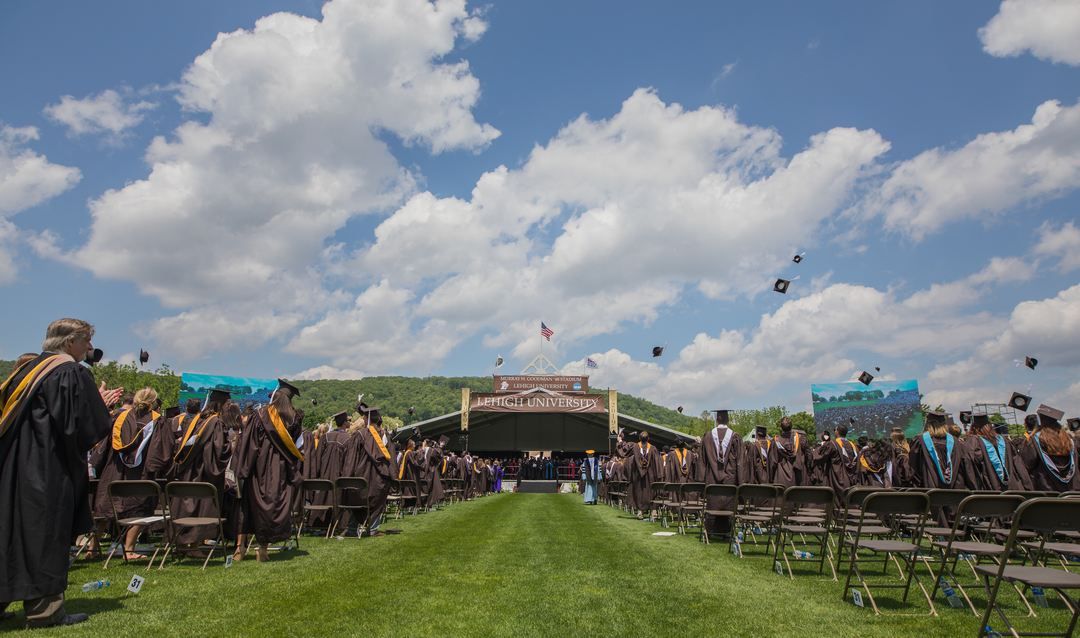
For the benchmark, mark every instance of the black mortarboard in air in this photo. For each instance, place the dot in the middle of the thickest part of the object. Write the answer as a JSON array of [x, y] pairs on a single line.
[[865, 378], [1031, 362], [1019, 401], [1049, 412], [877, 369], [364, 408], [144, 356], [95, 356], [781, 286], [965, 416], [679, 409], [722, 417], [851, 420], [173, 411], [1073, 423], [314, 402], [443, 440], [341, 418], [411, 410], [285, 385], [218, 395], [796, 258], [658, 350], [631, 436]]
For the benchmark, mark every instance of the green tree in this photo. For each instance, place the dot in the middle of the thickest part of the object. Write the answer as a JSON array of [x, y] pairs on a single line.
[[132, 379]]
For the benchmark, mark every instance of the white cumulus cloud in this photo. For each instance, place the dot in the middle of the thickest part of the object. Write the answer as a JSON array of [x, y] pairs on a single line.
[[106, 111], [1049, 29], [1063, 243]]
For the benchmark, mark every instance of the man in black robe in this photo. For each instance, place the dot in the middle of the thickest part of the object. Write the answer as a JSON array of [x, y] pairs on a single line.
[[48, 425]]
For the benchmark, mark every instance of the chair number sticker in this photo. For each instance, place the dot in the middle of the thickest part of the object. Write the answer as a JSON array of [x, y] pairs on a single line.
[[856, 597], [136, 584], [228, 562], [778, 567]]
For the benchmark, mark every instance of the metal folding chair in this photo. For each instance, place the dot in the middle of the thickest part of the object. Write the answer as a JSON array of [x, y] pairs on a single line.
[[793, 524], [134, 489], [843, 527], [1048, 516], [690, 503], [347, 502], [198, 491], [750, 519], [717, 490], [888, 504], [312, 486]]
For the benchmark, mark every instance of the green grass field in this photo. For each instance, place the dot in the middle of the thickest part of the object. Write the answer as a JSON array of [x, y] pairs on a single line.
[[504, 565]]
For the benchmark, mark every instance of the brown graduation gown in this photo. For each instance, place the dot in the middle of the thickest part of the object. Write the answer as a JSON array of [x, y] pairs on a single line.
[[267, 471], [365, 458], [789, 460], [120, 465], [644, 467], [721, 467], [203, 461]]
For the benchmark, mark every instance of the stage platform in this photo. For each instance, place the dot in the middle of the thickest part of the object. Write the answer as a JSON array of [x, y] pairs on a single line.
[[539, 487]]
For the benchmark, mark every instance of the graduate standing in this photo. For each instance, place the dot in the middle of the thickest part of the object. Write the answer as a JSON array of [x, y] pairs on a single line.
[[52, 415], [268, 465], [591, 473], [372, 455], [722, 459]]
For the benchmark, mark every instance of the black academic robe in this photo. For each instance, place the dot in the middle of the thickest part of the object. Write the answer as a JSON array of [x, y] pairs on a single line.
[[979, 470], [789, 460], [643, 468], [123, 458], [430, 480], [268, 472], [372, 455], [925, 472], [1022, 476], [838, 460], [43, 477], [721, 467], [204, 460], [1050, 474]]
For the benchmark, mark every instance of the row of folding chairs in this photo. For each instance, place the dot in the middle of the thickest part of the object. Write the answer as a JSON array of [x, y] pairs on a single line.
[[172, 525]]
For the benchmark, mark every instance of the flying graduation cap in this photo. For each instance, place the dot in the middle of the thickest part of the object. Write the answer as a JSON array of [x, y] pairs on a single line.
[[144, 356], [314, 402], [1073, 423], [658, 350], [679, 409], [1031, 362], [781, 286], [1019, 401], [797, 258], [411, 410], [965, 417], [865, 378], [95, 356]]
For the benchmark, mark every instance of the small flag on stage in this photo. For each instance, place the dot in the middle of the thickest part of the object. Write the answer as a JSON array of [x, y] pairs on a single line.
[[590, 363], [545, 331]]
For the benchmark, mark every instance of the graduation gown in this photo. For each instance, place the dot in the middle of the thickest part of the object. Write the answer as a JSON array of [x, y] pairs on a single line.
[[722, 460], [992, 469], [205, 460], [1022, 476], [123, 456], [1050, 473], [643, 468], [925, 472], [789, 460], [327, 464], [371, 454], [838, 460], [591, 473], [44, 483], [268, 471]]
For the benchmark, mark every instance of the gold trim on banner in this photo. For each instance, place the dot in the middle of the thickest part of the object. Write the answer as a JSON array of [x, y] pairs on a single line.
[[613, 411], [465, 409]]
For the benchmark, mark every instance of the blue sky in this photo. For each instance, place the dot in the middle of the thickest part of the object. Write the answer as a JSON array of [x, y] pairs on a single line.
[[364, 188]]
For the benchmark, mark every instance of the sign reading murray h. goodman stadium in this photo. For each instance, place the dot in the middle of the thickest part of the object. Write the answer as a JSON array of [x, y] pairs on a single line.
[[521, 383], [536, 402]]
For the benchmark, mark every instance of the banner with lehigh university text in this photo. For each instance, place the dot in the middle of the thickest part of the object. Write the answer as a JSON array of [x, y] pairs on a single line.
[[536, 402], [521, 382]]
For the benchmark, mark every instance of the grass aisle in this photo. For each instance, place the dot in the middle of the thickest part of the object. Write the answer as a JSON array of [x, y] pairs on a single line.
[[511, 564]]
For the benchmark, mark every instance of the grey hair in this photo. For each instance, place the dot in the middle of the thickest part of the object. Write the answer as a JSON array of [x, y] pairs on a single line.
[[61, 331]]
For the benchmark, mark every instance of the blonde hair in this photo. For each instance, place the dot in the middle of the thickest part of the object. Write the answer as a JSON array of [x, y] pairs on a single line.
[[359, 424], [900, 441], [321, 430], [144, 400], [937, 429], [61, 331]]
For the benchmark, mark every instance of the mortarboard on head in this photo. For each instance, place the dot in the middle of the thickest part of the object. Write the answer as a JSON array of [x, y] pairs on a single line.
[[897, 431], [1073, 423], [722, 417], [1019, 401], [658, 350], [1031, 362], [411, 410], [865, 378], [217, 395], [1049, 412], [979, 419], [681, 443], [781, 286], [285, 385], [933, 416], [761, 431], [1001, 428], [679, 409], [341, 418], [796, 258], [144, 356], [173, 411], [965, 416], [443, 440]]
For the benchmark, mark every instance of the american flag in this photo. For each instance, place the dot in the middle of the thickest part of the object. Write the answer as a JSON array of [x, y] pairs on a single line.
[[590, 363], [545, 331]]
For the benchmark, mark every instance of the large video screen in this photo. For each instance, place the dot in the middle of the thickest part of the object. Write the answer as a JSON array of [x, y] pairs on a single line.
[[198, 386], [877, 408]]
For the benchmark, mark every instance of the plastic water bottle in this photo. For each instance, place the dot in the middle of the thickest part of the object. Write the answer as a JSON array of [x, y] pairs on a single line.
[[1040, 597], [950, 594], [97, 584], [990, 633], [801, 554]]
